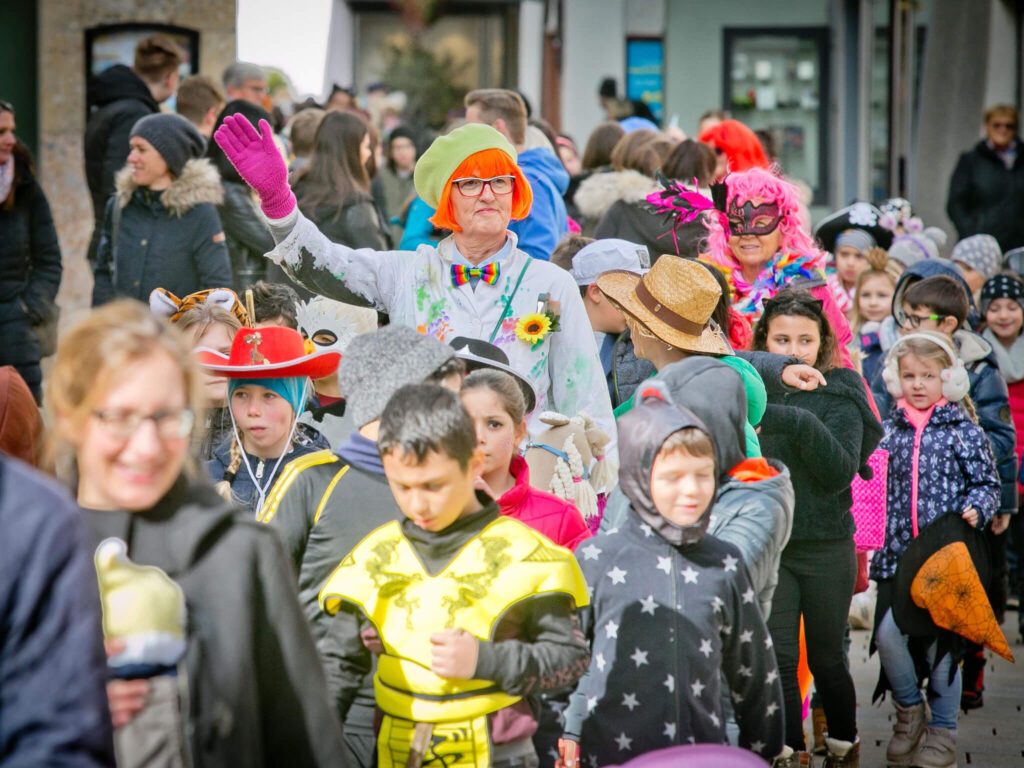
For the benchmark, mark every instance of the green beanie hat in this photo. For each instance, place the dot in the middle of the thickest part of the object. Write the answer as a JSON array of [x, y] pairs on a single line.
[[439, 162]]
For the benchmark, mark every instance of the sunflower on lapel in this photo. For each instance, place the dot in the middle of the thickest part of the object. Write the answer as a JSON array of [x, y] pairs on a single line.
[[535, 327]]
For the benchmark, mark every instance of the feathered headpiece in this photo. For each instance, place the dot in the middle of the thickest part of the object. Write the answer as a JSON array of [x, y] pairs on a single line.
[[682, 206]]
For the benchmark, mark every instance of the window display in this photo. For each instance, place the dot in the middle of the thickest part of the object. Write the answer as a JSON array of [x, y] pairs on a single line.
[[776, 82]]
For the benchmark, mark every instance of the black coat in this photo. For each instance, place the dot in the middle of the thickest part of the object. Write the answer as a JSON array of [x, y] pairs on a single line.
[[53, 670], [248, 236], [257, 694], [171, 239], [30, 272], [986, 197], [638, 222], [120, 99], [358, 224], [825, 438]]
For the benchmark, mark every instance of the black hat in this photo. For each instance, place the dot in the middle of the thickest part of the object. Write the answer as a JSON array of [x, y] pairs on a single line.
[[1002, 286], [477, 354], [174, 137], [858, 216]]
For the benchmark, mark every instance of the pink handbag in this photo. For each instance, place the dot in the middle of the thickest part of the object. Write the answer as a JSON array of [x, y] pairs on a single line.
[[870, 502]]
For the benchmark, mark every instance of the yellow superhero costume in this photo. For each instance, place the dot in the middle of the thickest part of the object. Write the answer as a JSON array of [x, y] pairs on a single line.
[[504, 564]]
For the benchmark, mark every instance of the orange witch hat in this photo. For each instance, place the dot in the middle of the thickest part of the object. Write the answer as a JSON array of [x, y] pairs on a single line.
[[940, 585], [949, 588]]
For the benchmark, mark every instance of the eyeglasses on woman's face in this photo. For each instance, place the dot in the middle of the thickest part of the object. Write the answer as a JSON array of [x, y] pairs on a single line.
[[471, 186], [122, 424]]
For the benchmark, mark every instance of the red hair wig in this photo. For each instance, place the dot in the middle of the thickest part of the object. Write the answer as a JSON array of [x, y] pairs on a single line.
[[739, 143], [485, 164]]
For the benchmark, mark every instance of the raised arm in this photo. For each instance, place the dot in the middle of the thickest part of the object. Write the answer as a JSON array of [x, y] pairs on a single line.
[[362, 277]]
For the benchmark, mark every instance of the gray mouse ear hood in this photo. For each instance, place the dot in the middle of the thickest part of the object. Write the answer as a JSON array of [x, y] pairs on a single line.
[[642, 432]]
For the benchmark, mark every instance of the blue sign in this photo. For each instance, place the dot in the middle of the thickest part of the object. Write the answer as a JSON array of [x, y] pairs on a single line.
[[645, 73]]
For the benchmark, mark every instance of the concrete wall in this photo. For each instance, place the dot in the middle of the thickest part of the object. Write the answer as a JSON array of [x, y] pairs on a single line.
[[693, 42], [62, 86], [594, 36], [530, 57], [593, 47], [953, 72]]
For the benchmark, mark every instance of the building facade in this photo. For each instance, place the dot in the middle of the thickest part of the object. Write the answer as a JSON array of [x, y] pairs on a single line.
[[47, 48]]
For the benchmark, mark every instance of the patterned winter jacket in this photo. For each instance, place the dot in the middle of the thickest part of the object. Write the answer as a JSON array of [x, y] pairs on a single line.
[[991, 401], [941, 468]]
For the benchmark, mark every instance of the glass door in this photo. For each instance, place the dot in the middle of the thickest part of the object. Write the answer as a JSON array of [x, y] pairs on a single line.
[[776, 82]]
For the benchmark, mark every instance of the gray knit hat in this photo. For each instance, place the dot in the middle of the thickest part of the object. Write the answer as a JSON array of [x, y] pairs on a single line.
[[174, 137], [376, 364], [911, 247], [981, 253]]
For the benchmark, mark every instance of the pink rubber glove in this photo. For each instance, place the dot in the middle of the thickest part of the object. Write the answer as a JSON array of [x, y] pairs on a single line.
[[258, 161]]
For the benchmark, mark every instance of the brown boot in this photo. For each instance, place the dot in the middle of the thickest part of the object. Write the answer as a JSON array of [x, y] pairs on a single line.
[[841, 754], [937, 749], [820, 726], [791, 759], [906, 734]]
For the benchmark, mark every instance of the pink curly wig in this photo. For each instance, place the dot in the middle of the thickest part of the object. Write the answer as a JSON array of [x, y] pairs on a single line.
[[759, 184], [739, 143]]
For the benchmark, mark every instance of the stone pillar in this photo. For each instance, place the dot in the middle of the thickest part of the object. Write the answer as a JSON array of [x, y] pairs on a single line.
[[62, 87]]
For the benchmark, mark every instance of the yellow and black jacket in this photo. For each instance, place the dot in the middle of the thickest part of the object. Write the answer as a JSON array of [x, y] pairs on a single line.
[[485, 574]]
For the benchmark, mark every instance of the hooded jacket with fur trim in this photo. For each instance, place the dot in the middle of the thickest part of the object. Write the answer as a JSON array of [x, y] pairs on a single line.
[[171, 239], [599, 192]]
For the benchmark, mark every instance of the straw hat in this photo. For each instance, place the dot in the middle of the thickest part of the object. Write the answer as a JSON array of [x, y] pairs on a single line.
[[674, 301]]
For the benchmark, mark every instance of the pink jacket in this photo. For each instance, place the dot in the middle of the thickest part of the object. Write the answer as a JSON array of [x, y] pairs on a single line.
[[556, 518]]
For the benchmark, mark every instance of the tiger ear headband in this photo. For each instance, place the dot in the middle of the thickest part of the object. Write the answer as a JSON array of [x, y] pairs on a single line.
[[165, 304]]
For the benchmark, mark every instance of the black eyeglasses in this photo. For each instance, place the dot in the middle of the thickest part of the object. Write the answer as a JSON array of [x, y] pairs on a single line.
[[914, 321], [1009, 126], [474, 187]]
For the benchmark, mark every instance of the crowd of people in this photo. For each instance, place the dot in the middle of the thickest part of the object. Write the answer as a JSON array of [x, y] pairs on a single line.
[[476, 449]]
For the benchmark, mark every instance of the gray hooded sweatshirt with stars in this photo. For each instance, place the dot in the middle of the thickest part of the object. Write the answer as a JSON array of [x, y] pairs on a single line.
[[673, 617]]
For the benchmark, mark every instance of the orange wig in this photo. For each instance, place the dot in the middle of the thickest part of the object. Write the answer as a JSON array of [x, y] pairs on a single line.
[[739, 143], [485, 164]]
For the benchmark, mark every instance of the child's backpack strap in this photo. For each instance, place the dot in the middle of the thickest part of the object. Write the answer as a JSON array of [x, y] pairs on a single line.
[[292, 470], [330, 490]]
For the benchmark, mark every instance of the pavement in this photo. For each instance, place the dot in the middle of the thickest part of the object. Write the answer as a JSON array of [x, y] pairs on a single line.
[[990, 737]]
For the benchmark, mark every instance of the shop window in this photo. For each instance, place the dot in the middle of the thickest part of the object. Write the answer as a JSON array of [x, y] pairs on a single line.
[[776, 81]]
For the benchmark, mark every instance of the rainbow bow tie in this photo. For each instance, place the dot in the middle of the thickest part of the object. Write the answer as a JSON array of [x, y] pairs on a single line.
[[461, 274]]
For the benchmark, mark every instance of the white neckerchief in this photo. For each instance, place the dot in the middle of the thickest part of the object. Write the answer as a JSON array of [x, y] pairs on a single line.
[[1010, 361]]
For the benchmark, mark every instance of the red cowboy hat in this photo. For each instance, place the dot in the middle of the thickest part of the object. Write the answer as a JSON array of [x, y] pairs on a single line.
[[268, 353]]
